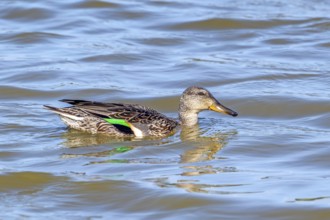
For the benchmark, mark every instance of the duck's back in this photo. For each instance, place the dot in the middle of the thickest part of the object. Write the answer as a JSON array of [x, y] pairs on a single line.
[[141, 120]]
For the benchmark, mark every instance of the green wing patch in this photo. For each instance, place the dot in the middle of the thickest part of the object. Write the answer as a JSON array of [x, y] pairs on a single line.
[[115, 121]]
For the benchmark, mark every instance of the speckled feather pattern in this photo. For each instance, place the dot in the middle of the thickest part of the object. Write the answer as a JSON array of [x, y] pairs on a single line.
[[88, 122], [149, 121]]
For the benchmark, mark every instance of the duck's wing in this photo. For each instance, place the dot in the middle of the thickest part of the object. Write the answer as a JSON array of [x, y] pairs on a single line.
[[132, 113]]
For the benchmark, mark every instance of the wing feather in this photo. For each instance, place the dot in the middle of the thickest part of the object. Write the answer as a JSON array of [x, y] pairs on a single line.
[[132, 113]]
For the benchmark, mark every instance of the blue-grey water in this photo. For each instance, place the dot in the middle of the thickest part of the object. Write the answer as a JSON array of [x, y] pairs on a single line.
[[268, 60]]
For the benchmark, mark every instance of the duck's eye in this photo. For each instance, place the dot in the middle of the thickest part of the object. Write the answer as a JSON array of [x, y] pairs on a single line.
[[201, 93]]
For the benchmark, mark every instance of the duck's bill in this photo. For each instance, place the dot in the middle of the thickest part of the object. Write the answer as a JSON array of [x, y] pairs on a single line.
[[218, 107]]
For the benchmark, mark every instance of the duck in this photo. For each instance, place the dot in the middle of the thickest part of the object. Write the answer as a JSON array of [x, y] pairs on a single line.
[[134, 120]]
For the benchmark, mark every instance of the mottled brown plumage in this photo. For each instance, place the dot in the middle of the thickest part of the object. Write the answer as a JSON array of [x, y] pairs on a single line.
[[136, 120]]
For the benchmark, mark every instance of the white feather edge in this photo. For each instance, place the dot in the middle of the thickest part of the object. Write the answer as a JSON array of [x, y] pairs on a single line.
[[137, 132], [73, 117]]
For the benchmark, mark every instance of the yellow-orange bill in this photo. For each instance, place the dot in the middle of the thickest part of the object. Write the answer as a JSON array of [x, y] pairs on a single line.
[[217, 107]]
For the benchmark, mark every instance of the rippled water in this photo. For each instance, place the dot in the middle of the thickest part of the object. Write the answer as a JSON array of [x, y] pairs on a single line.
[[269, 60]]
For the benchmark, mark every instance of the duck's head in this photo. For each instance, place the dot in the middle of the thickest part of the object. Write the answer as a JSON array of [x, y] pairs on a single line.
[[196, 99]]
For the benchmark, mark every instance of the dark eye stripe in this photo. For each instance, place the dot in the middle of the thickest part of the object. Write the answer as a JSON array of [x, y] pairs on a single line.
[[201, 93]]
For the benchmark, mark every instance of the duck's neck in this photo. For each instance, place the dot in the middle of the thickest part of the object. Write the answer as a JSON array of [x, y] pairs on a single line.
[[188, 117]]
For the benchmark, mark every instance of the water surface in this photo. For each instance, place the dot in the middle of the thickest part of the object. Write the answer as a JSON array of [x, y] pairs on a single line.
[[268, 60]]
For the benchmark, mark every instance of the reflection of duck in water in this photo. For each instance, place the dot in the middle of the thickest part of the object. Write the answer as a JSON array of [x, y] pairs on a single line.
[[129, 120], [202, 148], [194, 144]]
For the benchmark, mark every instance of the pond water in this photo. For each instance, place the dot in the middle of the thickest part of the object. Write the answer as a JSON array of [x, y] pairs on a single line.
[[268, 60]]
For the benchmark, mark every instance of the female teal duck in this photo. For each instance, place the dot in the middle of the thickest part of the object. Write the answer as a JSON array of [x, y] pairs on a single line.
[[129, 120]]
